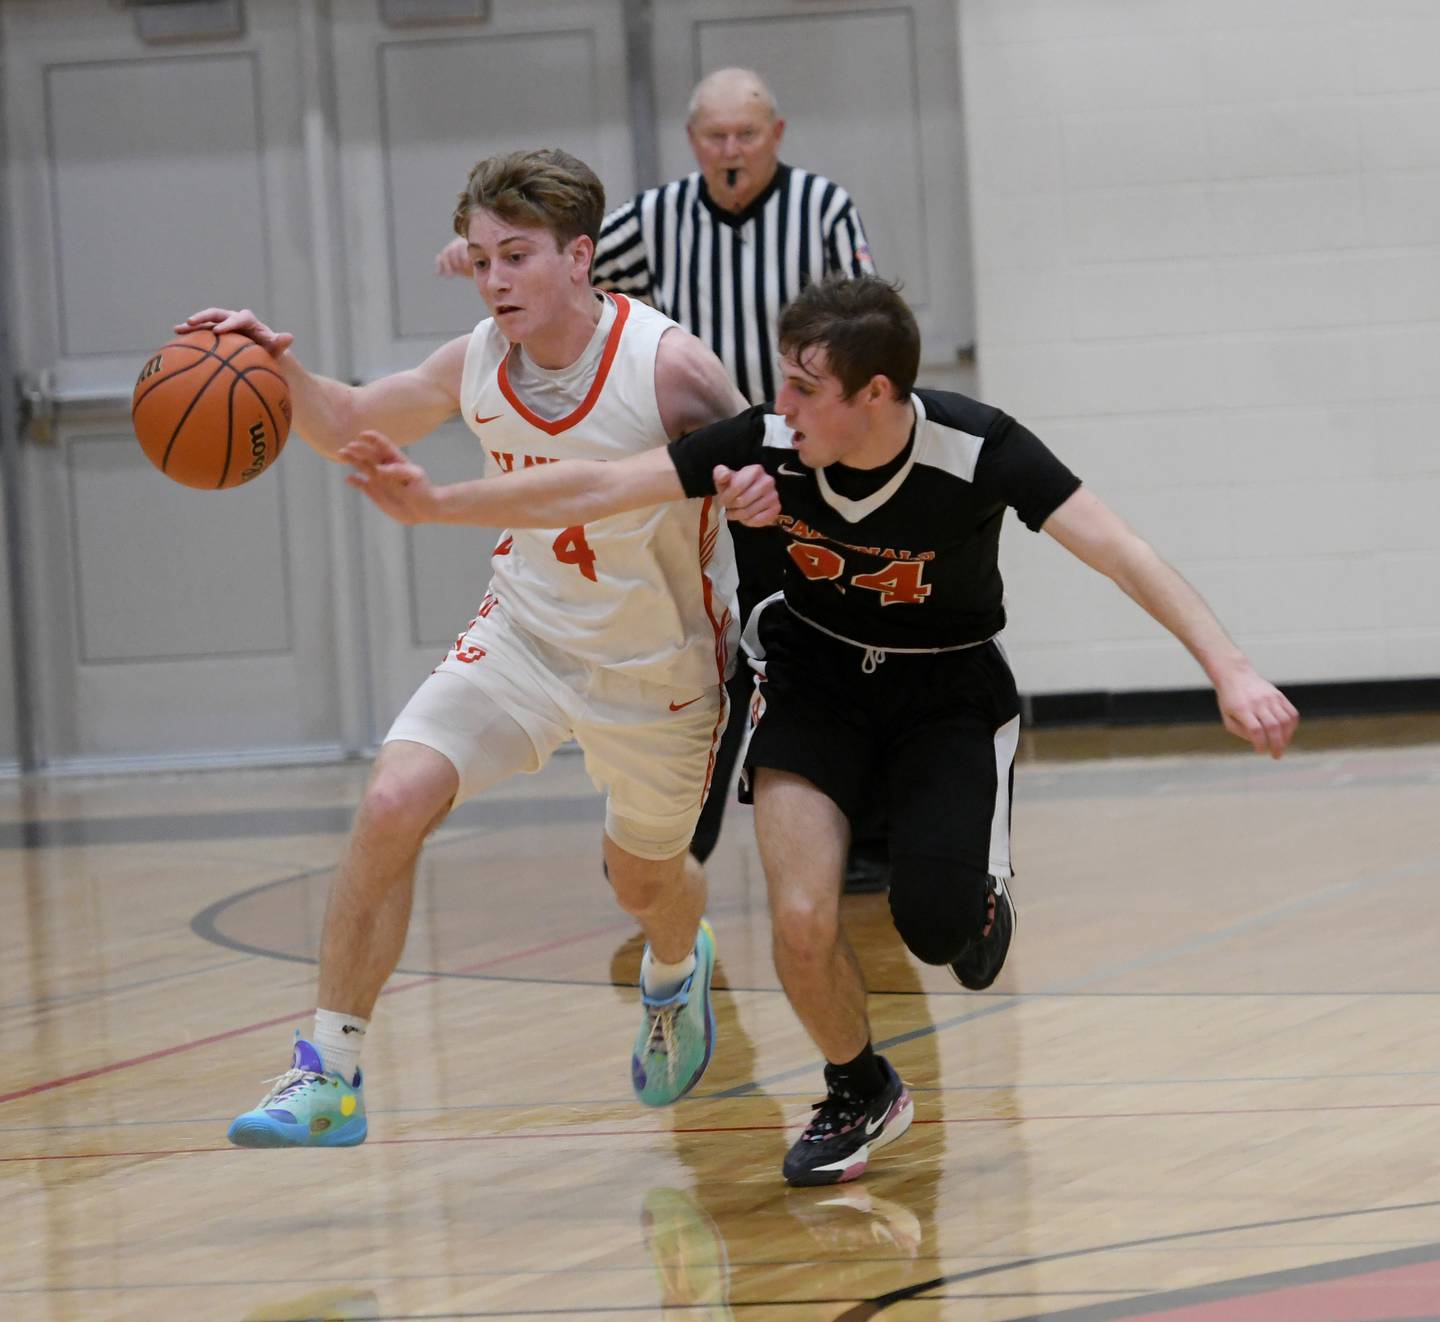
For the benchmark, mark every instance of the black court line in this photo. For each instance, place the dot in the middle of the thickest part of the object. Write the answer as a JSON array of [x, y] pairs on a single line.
[[68, 999], [271, 823], [1155, 778], [1192, 946], [1244, 1286], [934, 1289]]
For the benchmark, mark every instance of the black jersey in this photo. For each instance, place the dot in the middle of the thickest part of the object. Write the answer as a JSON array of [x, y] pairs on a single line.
[[905, 556]]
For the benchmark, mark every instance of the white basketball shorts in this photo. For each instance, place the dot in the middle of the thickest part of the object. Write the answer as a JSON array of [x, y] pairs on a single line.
[[650, 747]]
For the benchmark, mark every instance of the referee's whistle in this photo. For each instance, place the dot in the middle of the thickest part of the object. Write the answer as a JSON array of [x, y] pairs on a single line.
[[730, 177]]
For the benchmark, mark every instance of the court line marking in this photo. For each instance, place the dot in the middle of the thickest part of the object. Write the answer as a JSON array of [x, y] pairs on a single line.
[[1098, 1085], [1238, 1287], [1419, 1253], [1191, 946], [203, 922], [559, 1134], [644, 1269], [66, 999], [163, 1052], [1045, 781], [274, 822]]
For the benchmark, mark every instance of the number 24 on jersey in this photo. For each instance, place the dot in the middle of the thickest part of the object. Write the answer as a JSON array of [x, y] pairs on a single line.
[[899, 583]]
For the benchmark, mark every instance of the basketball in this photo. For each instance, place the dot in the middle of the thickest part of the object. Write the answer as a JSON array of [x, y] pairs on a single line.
[[211, 411]]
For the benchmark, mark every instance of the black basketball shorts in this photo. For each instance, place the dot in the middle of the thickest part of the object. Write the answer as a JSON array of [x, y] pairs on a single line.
[[932, 736]]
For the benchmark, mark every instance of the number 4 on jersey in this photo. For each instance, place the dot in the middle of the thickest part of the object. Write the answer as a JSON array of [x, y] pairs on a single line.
[[571, 548], [897, 583]]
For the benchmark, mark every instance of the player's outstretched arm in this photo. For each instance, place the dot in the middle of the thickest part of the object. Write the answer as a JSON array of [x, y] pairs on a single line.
[[454, 258], [554, 495], [328, 413], [1251, 707]]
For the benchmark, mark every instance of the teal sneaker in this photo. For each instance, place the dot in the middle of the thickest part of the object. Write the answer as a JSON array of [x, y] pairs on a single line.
[[305, 1108], [677, 1035]]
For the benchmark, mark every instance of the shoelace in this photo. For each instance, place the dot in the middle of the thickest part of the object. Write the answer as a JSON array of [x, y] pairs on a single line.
[[662, 1027], [282, 1085], [838, 1112]]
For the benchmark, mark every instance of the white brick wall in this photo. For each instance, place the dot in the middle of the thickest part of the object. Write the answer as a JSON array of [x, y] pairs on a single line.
[[1207, 255]]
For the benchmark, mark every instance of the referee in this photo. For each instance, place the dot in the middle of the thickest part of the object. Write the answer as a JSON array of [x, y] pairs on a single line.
[[721, 252], [724, 249]]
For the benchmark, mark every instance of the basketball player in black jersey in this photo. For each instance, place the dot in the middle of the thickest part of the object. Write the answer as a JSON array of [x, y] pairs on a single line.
[[881, 671]]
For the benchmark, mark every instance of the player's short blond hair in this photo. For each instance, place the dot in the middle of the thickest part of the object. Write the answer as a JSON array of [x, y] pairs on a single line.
[[547, 188]]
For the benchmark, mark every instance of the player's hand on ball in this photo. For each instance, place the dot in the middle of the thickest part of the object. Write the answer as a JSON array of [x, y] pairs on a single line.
[[243, 322], [399, 487], [748, 495]]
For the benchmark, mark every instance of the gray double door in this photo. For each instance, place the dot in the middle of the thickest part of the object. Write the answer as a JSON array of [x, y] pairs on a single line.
[[305, 165]]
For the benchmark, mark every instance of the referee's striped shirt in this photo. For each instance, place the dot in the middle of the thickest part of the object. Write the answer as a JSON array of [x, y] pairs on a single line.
[[726, 276]]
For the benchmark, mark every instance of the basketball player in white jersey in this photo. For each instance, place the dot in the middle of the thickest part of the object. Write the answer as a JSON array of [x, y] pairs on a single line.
[[616, 631]]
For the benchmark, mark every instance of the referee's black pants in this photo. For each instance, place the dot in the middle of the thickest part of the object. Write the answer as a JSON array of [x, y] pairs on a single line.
[[739, 687], [869, 861]]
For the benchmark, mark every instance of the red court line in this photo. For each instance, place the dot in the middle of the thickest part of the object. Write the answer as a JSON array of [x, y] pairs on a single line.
[[50, 1084], [551, 1135], [140, 1060]]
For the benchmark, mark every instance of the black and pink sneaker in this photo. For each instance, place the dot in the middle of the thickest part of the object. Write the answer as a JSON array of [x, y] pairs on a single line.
[[845, 1130]]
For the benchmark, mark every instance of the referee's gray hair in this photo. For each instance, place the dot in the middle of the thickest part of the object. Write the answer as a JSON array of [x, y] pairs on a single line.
[[732, 74]]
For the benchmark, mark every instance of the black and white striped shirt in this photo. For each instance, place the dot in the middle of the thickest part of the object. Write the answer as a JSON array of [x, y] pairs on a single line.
[[726, 277]]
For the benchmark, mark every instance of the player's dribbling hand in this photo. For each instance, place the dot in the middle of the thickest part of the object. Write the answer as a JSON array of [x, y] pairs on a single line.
[[244, 322], [748, 495], [1253, 709], [397, 486]]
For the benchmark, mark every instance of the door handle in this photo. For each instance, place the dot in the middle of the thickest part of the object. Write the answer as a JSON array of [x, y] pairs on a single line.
[[42, 406], [37, 406]]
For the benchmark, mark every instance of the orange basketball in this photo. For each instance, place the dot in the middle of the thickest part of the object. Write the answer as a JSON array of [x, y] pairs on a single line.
[[211, 410]]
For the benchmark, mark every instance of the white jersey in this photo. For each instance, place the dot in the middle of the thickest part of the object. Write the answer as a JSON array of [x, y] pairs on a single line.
[[649, 592]]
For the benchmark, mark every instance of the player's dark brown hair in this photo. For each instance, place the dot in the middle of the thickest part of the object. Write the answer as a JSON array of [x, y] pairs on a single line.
[[865, 328], [547, 188]]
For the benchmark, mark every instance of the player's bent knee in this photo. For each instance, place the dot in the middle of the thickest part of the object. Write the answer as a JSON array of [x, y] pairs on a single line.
[[394, 810], [938, 905], [653, 838], [408, 795]]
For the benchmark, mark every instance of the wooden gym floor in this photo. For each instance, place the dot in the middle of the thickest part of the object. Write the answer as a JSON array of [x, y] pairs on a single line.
[[1205, 1088]]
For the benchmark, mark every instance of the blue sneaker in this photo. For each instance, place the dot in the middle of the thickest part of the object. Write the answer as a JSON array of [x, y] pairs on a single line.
[[305, 1108], [689, 1255], [677, 1035]]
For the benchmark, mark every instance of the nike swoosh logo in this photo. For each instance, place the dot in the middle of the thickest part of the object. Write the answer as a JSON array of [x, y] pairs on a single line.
[[680, 706], [491, 418], [791, 472], [872, 1127]]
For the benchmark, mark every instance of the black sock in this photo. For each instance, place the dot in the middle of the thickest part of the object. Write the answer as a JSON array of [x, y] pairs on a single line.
[[860, 1076]]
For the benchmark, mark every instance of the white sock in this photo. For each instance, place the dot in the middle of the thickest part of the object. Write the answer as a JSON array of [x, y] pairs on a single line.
[[662, 981], [338, 1038]]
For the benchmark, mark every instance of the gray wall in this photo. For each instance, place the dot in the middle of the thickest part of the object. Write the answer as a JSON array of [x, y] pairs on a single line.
[[1207, 244]]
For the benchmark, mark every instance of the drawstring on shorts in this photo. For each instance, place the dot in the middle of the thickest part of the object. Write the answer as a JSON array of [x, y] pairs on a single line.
[[872, 657]]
